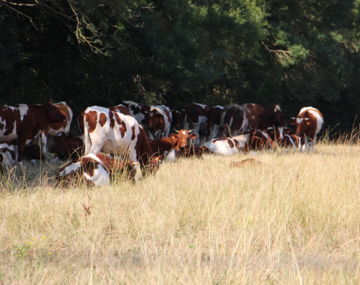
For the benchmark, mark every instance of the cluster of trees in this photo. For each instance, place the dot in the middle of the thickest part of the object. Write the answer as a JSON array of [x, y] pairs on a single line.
[[291, 52]]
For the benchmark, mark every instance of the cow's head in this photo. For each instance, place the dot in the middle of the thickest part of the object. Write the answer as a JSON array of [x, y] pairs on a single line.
[[184, 137], [302, 125], [279, 117], [53, 114]]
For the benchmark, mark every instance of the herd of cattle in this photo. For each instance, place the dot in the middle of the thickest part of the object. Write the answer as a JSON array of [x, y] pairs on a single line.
[[134, 138]]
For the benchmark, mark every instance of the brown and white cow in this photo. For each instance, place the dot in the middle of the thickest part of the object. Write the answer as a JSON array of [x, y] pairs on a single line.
[[262, 117], [26, 122], [196, 119], [169, 146], [95, 169], [64, 126], [112, 132], [309, 123], [238, 119], [227, 145], [8, 155], [192, 151], [214, 123], [159, 120]]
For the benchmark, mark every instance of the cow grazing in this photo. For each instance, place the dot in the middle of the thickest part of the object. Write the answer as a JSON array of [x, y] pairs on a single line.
[[196, 119], [214, 123], [95, 170], [227, 145], [67, 146], [112, 132], [309, 123], [159, 120], [8, 155], [26, 122], [64, 126]]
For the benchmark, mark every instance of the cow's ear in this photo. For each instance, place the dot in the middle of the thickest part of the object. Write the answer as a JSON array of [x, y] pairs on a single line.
[[193, 136]]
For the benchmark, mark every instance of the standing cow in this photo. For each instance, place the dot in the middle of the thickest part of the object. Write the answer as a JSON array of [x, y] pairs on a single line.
[[112, 132], [26, 122], [309, 123]]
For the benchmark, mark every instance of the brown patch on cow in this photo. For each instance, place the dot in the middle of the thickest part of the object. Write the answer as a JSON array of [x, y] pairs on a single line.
[[89, 165], [112, 121], [102, 119], [63, 109], [117, 117], [230, 142], [122, 128], [132, 132], [122, 109], [167, 113], [244, 162], [91, 119]]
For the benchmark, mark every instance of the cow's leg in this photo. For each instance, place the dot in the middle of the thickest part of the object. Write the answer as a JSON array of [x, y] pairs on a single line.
[[134, 158], [44, 151]]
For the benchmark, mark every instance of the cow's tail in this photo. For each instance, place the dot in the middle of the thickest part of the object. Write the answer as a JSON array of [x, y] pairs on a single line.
[[87, 139]]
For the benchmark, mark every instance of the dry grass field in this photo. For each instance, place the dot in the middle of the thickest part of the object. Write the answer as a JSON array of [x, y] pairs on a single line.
[[292, 219]]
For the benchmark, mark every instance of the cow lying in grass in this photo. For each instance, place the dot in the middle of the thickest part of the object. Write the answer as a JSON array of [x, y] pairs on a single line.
[[95, 170]]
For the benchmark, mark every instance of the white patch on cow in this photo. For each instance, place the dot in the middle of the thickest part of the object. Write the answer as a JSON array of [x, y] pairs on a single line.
[[219, 107], [170, 156], [70, 168], [222, 147], [100, 176], [203, 106], [281, 132], [6, 151], [299, 120], [23, 109], [277, 108]]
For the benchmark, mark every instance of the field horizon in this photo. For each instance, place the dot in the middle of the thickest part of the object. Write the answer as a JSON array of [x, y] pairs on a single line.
[[293, 218]]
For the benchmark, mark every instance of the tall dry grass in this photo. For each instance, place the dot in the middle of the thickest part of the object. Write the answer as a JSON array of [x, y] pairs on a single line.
[[293, 219]]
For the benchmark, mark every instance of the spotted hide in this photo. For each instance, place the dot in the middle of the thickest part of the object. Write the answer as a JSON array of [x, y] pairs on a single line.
[[112, 132], [26, 122]]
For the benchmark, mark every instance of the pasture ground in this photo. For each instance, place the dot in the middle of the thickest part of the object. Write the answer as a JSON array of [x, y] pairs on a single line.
[[293, 219]]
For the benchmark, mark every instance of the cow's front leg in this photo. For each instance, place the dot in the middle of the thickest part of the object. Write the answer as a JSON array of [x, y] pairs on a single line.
[[44, 151]]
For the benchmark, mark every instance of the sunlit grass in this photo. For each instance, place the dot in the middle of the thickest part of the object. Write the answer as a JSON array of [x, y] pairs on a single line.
[[292, 219]]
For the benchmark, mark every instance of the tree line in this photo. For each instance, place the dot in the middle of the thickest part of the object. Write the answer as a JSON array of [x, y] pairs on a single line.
[[86, 52]]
